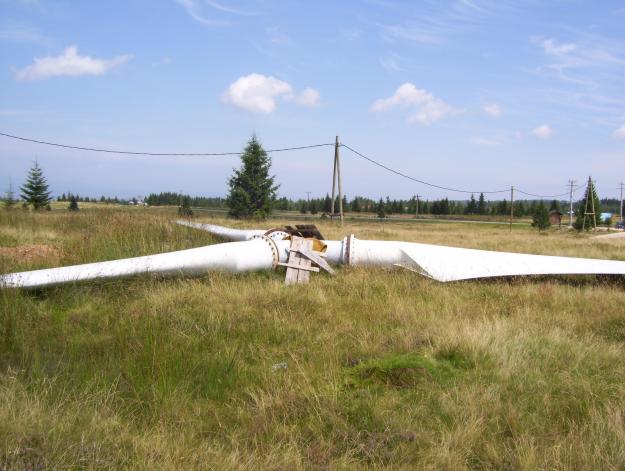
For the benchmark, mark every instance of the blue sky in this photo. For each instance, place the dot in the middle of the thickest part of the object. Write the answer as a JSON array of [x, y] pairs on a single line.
[[476, 94]]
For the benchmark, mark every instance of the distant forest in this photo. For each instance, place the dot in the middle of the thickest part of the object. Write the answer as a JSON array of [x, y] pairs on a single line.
[[387, 206]]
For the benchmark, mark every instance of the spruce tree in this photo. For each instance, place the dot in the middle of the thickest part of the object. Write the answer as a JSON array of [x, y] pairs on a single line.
[[381, 209], [9, 200], [471, 206], [35, 190], [73, 204], [481, 204], [540, 218], [185, 207], [304, 207], [252, 190]]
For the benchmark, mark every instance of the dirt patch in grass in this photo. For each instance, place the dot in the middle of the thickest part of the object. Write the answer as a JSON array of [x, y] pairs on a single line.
[[32, 253]]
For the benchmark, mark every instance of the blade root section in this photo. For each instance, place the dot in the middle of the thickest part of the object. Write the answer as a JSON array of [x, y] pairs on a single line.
[[235, 257]]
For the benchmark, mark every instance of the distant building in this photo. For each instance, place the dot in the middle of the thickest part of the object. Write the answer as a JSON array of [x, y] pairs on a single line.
[[603, 217], [555, 217]]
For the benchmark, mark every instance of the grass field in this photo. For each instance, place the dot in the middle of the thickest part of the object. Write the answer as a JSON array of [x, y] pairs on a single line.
[[370, 369]]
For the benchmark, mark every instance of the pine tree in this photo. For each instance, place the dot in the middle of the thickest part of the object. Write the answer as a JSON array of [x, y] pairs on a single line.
[[252, 190], [588, 221], [9, 200], [381, 209], [73, 204], [304, 207], [481, 204], [471, 207], [35, 190], [185, 207], [540, 218], [327, 204]]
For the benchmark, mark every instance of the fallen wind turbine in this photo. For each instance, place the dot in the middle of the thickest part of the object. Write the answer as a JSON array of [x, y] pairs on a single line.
[[257, 250]]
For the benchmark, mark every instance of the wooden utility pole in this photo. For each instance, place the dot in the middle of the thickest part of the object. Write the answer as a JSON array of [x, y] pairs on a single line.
[[571, 184], [621, 185], [590, 196], [416, 214], [336, 151], [336, 176], [511, 206]]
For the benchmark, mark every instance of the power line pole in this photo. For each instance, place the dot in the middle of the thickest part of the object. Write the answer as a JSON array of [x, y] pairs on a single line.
[[590, 195], [336, 150], [416, 215], [621, 185], [511, 206], [336, 176], [571, 184]]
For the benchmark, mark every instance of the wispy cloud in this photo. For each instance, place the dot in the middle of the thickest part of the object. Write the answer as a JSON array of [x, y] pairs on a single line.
[[309, 98], [435, 22], [427, 109], [570, 60], [21, 33], [234, 11], [493, 110], [392, 63], [163, 61], [259, 94], [619, 133], [543, 131], [69, 63], [203, 11], [486, 142]]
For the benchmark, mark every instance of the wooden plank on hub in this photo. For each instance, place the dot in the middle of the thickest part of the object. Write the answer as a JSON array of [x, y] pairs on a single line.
[[298, 266]]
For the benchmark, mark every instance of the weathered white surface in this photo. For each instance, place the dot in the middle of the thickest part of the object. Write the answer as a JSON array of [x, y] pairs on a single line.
[[451, 263], [251, 255], [444, 263], [223, 232], [256, 252]]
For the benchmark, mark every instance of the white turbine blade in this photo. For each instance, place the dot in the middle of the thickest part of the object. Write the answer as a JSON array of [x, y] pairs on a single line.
[[224, 232], [257, 254], [452, 263]]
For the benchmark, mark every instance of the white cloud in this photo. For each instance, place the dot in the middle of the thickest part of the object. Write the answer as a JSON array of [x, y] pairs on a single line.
[[309, 97], [258, 93], [552, 48], [492, 110], [620, 132], [163, 61], [203, 11], [543, 132], [486, 142], [428, 109], [69, 63], [391, 63], [194, 11]]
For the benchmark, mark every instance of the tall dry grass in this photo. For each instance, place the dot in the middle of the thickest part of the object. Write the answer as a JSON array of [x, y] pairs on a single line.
[[370, 369]]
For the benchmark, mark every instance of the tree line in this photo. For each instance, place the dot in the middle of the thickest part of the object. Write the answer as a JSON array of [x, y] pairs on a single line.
[[253, 193]]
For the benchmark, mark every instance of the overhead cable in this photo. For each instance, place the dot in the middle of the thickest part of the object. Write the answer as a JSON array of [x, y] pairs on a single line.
[[401, 174], [154, 154]]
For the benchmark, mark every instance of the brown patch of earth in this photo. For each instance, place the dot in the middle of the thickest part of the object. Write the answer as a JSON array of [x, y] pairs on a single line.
[[32, 253]]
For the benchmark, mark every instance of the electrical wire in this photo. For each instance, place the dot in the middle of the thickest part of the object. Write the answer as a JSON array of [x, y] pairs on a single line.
[[217, 154], [416, 179], [154, 154]]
